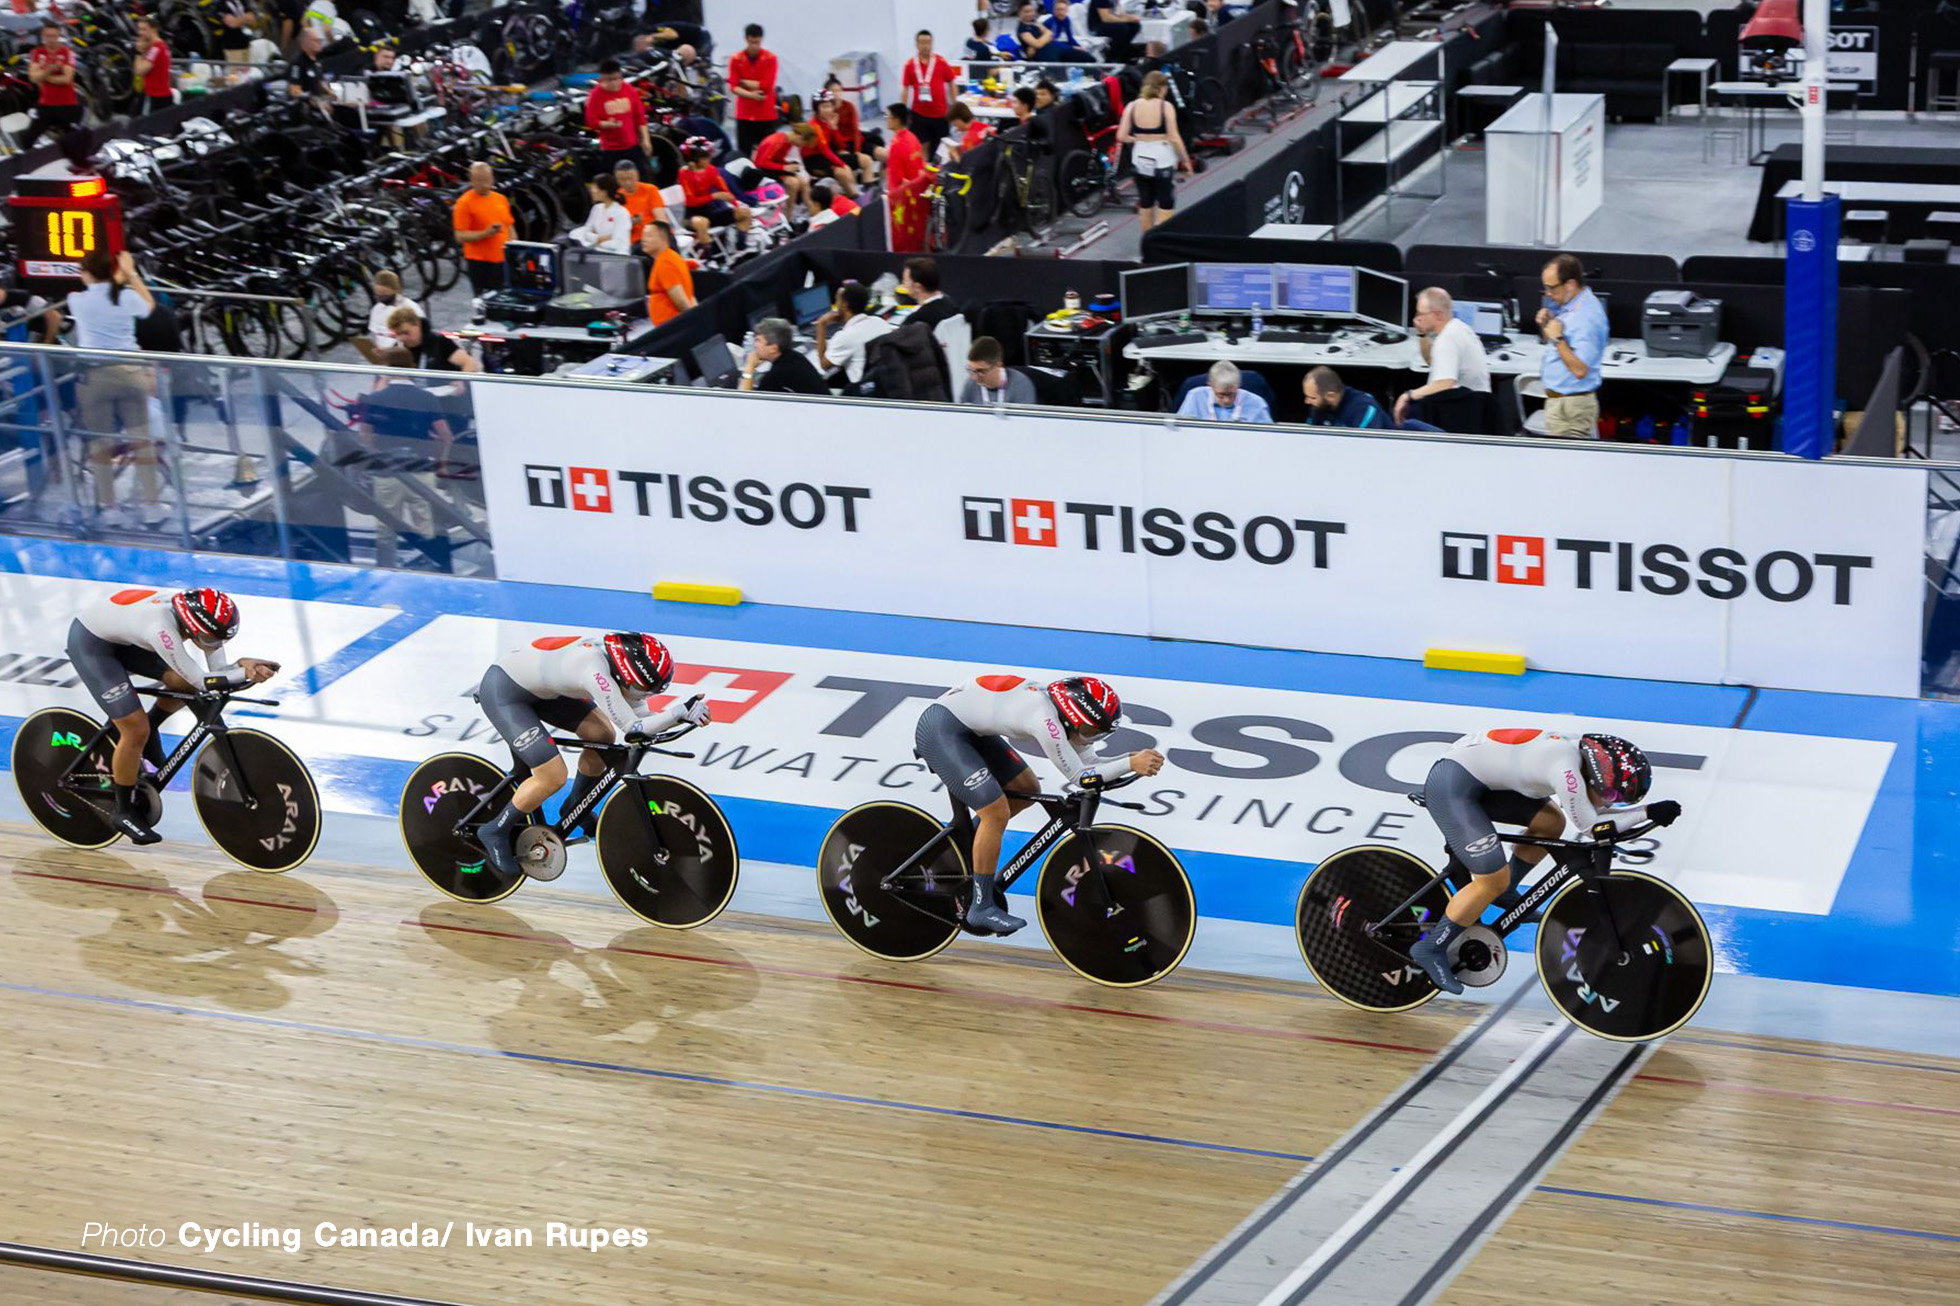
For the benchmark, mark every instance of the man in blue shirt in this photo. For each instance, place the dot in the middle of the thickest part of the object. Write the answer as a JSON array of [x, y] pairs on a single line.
[[1330, 402], [1221, 400], [1573, 323], [1066, 47]]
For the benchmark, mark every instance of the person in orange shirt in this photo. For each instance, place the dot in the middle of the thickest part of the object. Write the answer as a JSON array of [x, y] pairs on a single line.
[[483, 223], [670, 286], [641, 200]]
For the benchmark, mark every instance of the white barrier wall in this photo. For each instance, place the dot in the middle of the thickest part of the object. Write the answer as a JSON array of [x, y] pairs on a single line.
[[1598, 559]]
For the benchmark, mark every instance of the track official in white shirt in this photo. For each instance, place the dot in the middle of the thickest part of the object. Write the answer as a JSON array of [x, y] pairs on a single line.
[[1454, 353]]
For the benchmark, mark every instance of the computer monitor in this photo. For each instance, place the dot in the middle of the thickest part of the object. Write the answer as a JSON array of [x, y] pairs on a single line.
[[618, 277], [809, 304], [1156, 292], [1381, 298], [531, 266], [1318, 288], [713, 359], [1231, 287], [1485, 317]]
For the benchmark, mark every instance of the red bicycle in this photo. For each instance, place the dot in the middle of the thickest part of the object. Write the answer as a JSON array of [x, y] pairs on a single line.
[[1089, 179]]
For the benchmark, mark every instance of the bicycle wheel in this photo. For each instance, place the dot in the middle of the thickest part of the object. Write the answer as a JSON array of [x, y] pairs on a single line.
[[1128, 925], [1080, 184], [44, 746], [1042, 211], [1208, 107], [689, 877], [1348, 890], [1653, 987], [279, 827], [938, 235], [248, 331], [915, 918], [439, 793], [1292, 63]]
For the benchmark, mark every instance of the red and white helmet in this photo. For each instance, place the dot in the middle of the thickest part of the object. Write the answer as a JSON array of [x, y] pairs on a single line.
[[641, 662], [206, 614], [1087, 705]]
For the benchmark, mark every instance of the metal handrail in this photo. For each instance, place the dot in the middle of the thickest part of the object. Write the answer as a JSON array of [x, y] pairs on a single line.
[[212, 1281], [1074, 416]]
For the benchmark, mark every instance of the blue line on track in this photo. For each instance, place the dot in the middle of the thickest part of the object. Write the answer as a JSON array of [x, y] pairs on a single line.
[[1777, 1216], [675, 1076]]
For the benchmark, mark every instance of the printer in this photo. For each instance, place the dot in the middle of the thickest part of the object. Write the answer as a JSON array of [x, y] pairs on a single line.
[[1680, 324]]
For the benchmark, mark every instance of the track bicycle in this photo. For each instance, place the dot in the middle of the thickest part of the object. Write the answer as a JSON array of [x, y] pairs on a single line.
[[947, 212], [1089, 179], [665, 848], [253, 794], [1621, 954], [1027, 188], [1114, 904]]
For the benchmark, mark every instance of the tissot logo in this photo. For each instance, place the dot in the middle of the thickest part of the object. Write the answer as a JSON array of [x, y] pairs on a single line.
[[681, 497], [1781, 575], [1165, 532]]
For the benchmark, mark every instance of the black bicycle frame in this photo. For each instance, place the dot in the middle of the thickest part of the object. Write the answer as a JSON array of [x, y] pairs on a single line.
[[622, 764], [208, 708], [1067, 813], [1590, 861]]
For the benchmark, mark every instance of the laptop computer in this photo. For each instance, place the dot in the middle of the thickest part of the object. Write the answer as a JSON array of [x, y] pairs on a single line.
[[713, 360], [809, 304]]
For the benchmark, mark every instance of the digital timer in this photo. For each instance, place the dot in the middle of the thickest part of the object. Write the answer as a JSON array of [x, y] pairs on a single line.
[[59, 215]]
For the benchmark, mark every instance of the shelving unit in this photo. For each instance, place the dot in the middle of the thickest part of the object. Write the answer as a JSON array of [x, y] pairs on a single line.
[[1395, 130]]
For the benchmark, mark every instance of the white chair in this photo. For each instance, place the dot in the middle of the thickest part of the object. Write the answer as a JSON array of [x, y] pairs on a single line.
[[1531, 421]]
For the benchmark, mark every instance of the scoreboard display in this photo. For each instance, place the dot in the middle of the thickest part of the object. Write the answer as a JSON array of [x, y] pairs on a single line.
[[58, 216]]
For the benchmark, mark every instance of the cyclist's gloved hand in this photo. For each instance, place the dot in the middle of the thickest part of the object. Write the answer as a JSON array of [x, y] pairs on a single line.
[[1665, 812], [696, 711]]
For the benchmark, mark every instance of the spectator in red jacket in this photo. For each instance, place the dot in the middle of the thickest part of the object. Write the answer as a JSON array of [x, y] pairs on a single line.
[[928, 84], [153, 66], [840, 144], [51, 67], [616, 112], [752, 81], [771, 159]]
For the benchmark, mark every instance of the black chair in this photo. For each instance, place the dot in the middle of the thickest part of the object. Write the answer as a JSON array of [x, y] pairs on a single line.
[[1248, 380], [1460, 410]]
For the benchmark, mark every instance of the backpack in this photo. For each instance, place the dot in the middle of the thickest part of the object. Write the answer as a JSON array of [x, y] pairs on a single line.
[[907, 364]]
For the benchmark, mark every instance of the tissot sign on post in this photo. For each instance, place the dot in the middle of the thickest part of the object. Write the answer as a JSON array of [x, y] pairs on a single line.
[[1660, 565]]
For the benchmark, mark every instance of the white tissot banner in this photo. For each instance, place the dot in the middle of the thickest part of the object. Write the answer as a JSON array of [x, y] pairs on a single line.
[[1590, 559]]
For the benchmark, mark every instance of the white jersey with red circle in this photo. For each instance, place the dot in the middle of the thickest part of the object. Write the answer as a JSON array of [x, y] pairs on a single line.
[[1020, 711], [1537, 764], [576, 666], [143, 618]]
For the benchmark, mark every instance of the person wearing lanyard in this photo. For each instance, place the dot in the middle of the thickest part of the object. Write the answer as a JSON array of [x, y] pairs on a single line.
[[928, 83], [115, 397], [1221, 400], [989, 383], [1573, 323]]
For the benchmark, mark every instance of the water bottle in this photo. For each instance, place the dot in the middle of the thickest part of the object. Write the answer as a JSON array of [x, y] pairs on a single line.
[[478, 313], [1258, 322]]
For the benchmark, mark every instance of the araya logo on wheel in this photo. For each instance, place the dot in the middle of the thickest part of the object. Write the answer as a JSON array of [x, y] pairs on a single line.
[[1780, 575], [442, 789], [1569, 959], [277, 842], [1111, 860], [851, 904], [704, 844], [1164, 532], [679, 496]]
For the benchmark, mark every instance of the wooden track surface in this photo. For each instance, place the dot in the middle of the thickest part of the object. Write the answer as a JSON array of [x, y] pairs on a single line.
[[338, 1044], [1757, 1128]]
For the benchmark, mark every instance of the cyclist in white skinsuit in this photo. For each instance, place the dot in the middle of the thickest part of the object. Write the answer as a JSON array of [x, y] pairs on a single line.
[[968, 737], [1534, 778], [148, 632], [589, 685]]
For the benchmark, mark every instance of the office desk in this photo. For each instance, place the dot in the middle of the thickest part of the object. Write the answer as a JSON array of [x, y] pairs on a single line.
[[1626, 360], [1912, 200], [1758, 98], [1293, 231], [1395, 60]]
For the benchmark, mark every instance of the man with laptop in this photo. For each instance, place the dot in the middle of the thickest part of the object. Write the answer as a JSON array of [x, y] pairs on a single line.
[[1455, 356]]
